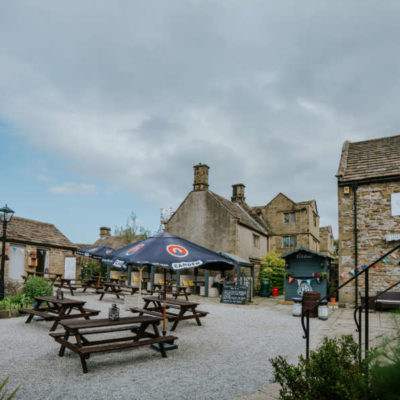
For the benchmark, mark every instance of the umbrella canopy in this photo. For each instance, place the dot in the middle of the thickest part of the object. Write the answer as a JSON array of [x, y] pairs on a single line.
[[169, 252], [97, 252]]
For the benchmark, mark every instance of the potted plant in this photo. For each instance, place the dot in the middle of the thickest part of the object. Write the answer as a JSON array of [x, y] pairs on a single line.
[[332, 294]]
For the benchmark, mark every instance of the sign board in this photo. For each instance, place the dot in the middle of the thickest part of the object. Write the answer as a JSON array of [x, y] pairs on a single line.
[[70, 268], [395, 202], [234, 294], [392, 237]]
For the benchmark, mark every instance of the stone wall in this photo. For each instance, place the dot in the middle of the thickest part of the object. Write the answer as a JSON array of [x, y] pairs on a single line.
[[374, 222], [326, 245], [202, 220], [56, 258]]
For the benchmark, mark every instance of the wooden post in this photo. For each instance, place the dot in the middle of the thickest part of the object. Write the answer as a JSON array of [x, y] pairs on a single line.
[[129, 277], [152, 277], [206, 283]]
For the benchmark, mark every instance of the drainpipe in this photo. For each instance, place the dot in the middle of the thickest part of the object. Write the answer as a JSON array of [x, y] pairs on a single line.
[[355, 187]]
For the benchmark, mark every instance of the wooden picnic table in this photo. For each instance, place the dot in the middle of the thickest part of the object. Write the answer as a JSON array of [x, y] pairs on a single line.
[[117, 289], [67, 284], [174, 290], [91, 283], [52, 277], [52, 309], [135, 326], [186, 309]]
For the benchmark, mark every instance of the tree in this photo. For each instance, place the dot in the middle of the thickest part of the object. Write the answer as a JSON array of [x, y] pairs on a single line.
[[132, 231], [273, 267]]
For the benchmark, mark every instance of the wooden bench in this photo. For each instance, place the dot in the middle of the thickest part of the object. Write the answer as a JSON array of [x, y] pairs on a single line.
[[186, 310], [84, 347], [387, 301]]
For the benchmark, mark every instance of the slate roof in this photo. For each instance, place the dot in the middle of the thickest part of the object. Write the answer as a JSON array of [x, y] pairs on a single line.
[[369, 159], [240, 213], [36, 232]]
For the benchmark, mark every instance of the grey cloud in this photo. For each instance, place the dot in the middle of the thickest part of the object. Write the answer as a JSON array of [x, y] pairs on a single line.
[[263, 92]]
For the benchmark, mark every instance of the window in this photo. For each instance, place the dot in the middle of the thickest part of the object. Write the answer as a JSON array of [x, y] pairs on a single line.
[[256, 241], [315, 219], [289, 241], [289, 217]]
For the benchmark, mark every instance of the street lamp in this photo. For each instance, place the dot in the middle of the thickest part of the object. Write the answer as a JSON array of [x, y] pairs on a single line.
[[5, 216]]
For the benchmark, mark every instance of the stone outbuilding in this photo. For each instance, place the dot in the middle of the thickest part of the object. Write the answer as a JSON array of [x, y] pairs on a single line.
[[326, 241], [369, 212], [34, 246]]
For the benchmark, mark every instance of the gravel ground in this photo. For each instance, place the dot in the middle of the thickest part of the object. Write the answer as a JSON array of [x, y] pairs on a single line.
[[225, 358]]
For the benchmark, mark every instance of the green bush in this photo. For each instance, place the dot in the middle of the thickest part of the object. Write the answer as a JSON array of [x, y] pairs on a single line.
[[273, 267], [15, 302], [333, 372], [385, 365], [36, 286]]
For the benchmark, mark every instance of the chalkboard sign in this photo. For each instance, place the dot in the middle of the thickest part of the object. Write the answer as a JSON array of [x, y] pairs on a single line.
[[234, 294]]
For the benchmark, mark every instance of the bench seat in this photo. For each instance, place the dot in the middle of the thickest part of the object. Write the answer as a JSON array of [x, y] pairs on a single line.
[[44, 315]]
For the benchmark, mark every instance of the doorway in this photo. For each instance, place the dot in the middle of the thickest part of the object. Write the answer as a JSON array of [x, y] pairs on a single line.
[[41, 261]]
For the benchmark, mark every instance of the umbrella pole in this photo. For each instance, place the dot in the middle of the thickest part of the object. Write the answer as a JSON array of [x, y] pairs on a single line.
[[164, 332]]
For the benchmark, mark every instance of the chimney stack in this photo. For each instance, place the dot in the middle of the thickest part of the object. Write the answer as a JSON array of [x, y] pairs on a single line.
[[238, 193], [200, 177], [104, 232]]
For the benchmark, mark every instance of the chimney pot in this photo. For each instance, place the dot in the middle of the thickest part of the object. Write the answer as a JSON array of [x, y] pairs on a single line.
[[104, 232], [238, 193]]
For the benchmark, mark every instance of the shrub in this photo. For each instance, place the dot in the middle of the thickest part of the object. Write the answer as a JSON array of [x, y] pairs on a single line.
[[36, 286], [385, 365], [273, 267], [333, 372], [15, 302]]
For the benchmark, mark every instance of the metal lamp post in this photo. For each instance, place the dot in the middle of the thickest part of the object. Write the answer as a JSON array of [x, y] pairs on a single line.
[[5, 217]]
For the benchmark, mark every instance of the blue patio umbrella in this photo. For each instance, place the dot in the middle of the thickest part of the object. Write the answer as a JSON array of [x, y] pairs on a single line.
[[96, 252], [169, 252]]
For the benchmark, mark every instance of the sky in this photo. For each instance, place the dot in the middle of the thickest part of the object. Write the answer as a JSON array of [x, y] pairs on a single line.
[[106, 106]]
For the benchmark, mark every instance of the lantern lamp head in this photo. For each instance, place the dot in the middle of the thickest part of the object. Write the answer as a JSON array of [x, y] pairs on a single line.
[[6, 214]]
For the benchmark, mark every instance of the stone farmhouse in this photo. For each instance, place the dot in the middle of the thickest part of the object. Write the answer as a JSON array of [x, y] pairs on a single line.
[[291, 225], [212, 221], [369, 212], [34, 246]]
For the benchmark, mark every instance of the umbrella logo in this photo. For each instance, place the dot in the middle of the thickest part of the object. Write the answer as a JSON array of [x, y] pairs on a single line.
[[93, 249], [108, 251], [134, 249], [177, 251]]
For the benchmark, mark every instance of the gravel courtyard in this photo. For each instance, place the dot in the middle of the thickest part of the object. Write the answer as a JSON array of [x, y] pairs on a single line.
[[225, 358]]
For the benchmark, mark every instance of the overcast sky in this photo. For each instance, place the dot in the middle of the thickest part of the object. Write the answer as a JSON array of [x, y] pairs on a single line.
[[105, 106]]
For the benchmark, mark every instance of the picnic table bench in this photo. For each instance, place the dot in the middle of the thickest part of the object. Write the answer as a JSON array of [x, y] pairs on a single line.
[[117, 289], [67, 284], [175, 291], [139, 336], [187, 310], [51, 277], [57, 310]]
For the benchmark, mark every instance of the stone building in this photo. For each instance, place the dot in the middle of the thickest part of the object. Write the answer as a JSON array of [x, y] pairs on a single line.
[[36, 247], [291, 225], [326, 241], [212, 221], [369, 212]]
